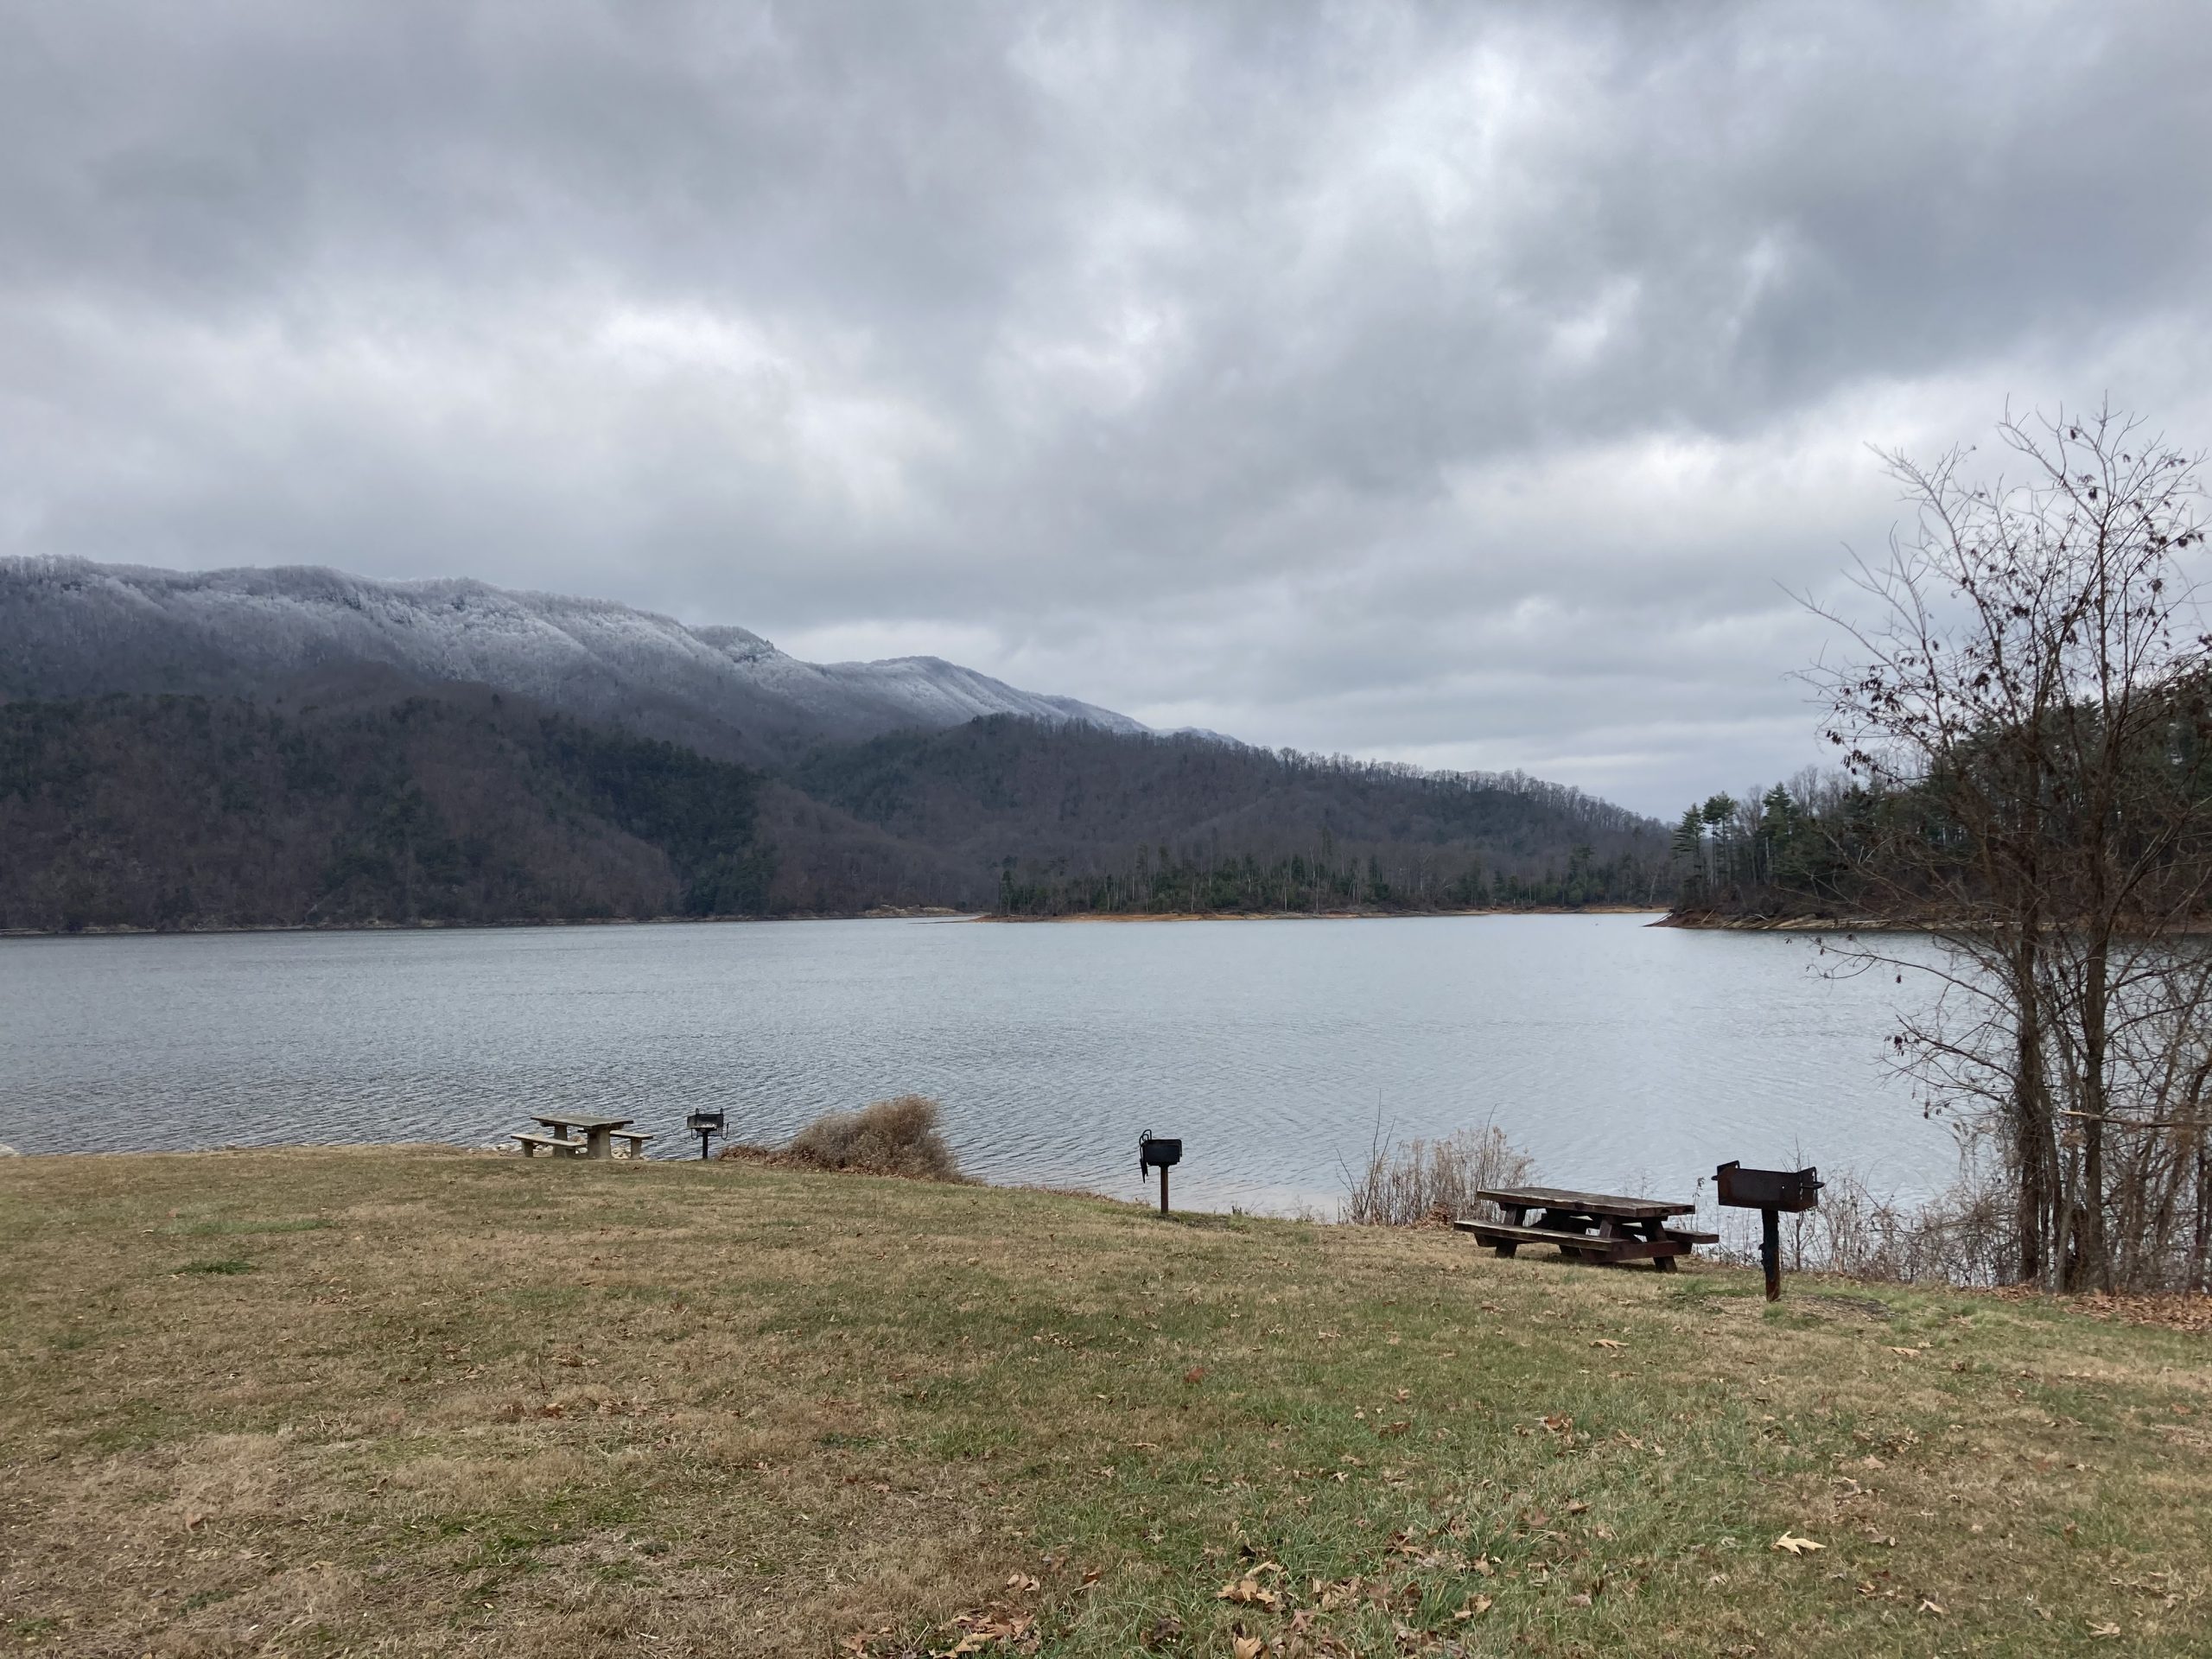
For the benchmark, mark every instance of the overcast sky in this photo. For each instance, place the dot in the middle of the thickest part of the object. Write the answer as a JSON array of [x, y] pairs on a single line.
[[1461, 385]]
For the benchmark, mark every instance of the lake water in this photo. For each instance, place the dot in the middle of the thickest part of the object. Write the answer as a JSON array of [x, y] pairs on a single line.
[[1618, 1054]]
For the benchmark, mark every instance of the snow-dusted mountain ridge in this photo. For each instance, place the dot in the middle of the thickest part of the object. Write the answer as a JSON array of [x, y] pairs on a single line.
[[70, 627]]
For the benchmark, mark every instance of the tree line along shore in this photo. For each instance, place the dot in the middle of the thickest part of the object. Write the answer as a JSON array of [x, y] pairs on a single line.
[[176, 813]]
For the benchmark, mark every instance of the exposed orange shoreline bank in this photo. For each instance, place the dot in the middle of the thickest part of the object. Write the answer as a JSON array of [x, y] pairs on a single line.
[[1323, 915]]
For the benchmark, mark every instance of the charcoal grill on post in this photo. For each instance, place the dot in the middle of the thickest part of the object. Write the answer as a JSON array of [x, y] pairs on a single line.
[[1770, 1191], [1153, 1152], [705, 1125]]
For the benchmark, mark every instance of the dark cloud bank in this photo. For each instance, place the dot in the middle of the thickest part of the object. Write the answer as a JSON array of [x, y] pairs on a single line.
[[1461, 385]]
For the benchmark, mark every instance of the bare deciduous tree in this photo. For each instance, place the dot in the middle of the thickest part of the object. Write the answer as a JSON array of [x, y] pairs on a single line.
[[2028, 717]]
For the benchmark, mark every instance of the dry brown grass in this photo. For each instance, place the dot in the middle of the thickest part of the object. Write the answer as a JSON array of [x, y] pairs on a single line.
[[472, 1404], [899, 1136]]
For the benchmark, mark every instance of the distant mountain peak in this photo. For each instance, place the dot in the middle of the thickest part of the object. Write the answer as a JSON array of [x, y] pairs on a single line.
[[71, 627], [739, 645]]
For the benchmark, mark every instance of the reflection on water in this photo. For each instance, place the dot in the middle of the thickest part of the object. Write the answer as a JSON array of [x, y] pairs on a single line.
[[1615, 1052]]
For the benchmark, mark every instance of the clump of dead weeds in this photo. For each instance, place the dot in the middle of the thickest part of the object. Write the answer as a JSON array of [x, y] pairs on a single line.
[[898, 1136]]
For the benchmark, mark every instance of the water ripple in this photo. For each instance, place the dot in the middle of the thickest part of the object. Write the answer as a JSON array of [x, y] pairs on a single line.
[[1615, 1052]]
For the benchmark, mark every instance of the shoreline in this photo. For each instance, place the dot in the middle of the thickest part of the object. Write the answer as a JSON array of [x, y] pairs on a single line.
[[1705, 921], [1322, 915], [134, 931], [875, 913]]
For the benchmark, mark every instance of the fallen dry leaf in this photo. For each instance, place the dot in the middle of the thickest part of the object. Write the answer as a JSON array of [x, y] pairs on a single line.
[[1247, 1647], [1607, 1342], [1473, 1606], [1196, 1374], [980, 1630], [1928, 1605], [2104, 1630], [1795, 1546], [1249, 1592]]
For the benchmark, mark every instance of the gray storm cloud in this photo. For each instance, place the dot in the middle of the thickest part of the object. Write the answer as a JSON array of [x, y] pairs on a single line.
[[1463, 384]]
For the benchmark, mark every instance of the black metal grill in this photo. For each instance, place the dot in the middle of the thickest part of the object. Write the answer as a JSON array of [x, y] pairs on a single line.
[[1155, 1153], [706, 1126], [1768, 1189]]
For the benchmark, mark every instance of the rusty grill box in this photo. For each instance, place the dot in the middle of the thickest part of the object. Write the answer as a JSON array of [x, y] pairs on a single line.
[[1153, 1153], [1768, 1189]]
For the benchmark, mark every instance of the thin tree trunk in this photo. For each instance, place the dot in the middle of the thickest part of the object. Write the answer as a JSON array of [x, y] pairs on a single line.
[[2201, 1275], [2031, 1123], [2096, 1262]]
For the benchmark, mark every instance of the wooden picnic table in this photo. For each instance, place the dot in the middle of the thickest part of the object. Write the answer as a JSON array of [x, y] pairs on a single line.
[[597, 1133], [1587, 1226]]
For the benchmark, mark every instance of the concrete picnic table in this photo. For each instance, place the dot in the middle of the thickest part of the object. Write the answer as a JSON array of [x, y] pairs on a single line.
[[598, 1133], [1587, 1226]]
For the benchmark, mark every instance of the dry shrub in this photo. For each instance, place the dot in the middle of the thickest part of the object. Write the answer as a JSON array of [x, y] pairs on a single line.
[[892, 1137], [1965, 1236], [1424, 1181], [1962, 1236]]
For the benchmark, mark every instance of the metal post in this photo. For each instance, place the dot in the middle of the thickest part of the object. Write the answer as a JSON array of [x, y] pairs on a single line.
[[1770, 1250], [1163, 1188], [703, 1135]]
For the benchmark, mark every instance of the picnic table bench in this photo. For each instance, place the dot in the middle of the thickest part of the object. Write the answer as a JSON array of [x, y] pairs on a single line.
[[595, 1136], [559, 1145], [1587, 1226]]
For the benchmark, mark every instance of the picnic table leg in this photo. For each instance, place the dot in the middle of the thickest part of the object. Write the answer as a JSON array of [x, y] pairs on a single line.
[[1571, 1221], [599, 1143], [1657, 1231], [1513, 1214], [1603, 1229], [1611, 1227]]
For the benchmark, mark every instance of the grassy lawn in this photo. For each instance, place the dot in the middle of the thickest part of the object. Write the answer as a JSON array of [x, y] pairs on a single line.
[[433, 1402]]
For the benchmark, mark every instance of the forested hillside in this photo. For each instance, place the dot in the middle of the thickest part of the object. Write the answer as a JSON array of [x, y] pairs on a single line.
[[192, 812], [471, 806], [1065, 819], [300, 747]]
